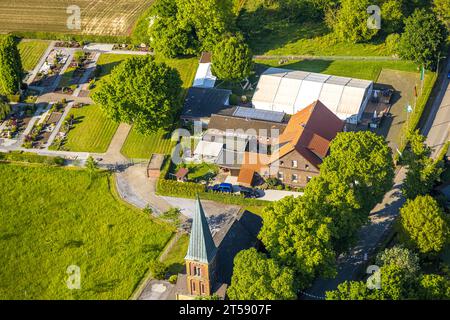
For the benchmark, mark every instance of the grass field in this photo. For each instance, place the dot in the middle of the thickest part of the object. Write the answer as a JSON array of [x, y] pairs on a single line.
[[361, 69], [97, 17], [269, 32], [142, 146], [53, 218], [175, 257], [92, 131], [31, 52]]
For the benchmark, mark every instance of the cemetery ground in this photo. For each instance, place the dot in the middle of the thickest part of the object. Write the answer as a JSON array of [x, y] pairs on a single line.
[[92, 130], [31, 51], [56, 217]]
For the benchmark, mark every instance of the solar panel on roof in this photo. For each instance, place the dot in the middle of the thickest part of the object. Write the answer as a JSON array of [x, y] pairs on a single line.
[[259, 114]]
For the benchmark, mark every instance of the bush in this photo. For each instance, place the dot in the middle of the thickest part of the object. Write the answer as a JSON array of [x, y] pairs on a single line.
[[28, 157], [159, 270], [173, 279], [175, 188], [392, 42]]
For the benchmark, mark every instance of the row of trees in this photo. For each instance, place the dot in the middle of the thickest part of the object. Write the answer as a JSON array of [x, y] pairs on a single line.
[[423, 231], [398, 278], [10, 66], [423, 32], [185, 27], [305, 234]]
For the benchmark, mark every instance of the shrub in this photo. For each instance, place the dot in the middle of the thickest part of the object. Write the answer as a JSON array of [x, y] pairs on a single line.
[[392, 42], [159, 270], [175, 188], [173, 279]]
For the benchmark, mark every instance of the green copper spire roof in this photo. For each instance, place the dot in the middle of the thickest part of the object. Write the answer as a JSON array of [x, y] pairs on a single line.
[[201, 244]]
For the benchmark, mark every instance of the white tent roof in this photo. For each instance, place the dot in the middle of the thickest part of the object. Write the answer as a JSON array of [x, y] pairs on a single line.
[[204, 77], [208, 148], [290, 91]]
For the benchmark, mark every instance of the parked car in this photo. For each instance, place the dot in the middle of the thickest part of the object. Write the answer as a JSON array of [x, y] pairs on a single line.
[[248, 192], [448, 75], [223, 187]]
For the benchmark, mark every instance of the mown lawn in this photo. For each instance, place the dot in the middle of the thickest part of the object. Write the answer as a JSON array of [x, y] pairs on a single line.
[[141, 146], [92, 132], [175, 257], [52, 218], [31, 52], [361, 69]]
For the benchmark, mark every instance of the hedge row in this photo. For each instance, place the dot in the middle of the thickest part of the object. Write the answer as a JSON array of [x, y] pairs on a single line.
[[416, 115], [72, 37], [173, 188], [179, 189], [28, 157]]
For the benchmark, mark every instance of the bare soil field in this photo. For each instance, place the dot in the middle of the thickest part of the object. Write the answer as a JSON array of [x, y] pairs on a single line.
[[98, 17]]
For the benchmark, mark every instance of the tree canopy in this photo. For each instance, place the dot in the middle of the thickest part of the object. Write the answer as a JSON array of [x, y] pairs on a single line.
[[256, 277], [353, 178], [400, 257], [423, 39], [424, 225], [423, 171], [350, 23], [180, 27], [298, 237], [10, 66], [232, 59], [142, 92]]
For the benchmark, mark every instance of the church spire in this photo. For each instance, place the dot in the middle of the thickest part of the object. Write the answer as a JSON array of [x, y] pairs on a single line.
[[201, 244]]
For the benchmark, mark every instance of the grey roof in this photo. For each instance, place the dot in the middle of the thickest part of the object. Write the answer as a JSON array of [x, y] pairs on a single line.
[[201, 243], [202, 102]]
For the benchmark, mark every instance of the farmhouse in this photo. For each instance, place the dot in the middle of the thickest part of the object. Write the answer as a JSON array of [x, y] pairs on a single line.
[[201, 103], [209, 259], [291, 91], [301, 149]]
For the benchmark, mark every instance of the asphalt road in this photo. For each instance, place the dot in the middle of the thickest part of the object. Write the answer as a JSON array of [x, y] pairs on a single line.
[[437, 128]]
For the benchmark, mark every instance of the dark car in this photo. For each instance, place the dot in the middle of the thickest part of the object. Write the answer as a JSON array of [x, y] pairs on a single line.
[[223, 187], [248, 192]]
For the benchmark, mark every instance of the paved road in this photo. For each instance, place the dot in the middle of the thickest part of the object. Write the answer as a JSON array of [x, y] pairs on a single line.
[[437, 128], [381, 219]]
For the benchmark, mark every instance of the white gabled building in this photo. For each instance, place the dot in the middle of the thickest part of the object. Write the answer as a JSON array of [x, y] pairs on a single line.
[[204, 77], [290, 91]]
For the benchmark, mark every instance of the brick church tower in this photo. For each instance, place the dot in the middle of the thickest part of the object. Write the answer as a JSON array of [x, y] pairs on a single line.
[[201, 256]]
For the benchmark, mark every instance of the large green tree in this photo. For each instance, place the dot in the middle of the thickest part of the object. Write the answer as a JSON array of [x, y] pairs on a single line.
[[142, 92], [442, 10], [423, 39], [424, 225], [10, 66], [180, 27], [400, 257], [232, 59], [256, 277], [350, 23], [167, 35], [423, 171], [392, 16], [297, 236], [353, 179]]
